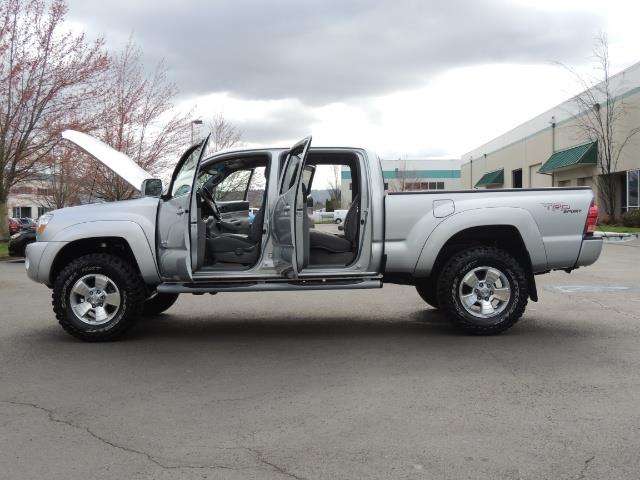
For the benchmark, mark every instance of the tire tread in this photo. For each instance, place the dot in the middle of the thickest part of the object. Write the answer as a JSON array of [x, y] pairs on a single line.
[[133, 285], [447, 289]]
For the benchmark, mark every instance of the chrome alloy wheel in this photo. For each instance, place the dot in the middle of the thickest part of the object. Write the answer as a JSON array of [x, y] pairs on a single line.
[[484, 292], [95, 299]]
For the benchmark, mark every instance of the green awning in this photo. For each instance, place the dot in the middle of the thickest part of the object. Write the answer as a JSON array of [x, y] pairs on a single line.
[[586, 154], [492, 178]]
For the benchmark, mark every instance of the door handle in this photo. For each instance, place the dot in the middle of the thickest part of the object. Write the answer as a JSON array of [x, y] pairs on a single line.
[[180, 211], [287, 208]]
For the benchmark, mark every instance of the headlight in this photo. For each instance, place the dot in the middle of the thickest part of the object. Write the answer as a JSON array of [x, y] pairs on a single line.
[[42, 223]]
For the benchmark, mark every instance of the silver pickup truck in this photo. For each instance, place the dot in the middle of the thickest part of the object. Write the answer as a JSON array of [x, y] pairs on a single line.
[[473, 254]]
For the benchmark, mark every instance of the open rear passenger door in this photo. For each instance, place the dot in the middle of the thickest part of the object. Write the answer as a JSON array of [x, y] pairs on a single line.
[[289, 213]]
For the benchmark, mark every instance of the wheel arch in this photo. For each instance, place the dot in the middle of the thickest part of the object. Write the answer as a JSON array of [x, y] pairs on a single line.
[[130, 243], [508, 235]]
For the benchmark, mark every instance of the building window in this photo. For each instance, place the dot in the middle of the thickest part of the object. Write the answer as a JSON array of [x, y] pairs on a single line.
[[633, 190], [386, 185], [516, 178], [45, 192], [22, 212], [43, 210], [439, 185], [22, 190]]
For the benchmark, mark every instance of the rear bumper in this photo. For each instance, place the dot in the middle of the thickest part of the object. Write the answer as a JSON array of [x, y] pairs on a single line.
[[589, 251]]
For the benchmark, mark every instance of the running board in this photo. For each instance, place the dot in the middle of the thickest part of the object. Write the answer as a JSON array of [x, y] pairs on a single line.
[[270, 286]]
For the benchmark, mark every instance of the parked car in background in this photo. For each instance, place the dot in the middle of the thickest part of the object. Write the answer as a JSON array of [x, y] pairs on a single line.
[[19, 241], [339, 215], [14, 226], [27, 222]]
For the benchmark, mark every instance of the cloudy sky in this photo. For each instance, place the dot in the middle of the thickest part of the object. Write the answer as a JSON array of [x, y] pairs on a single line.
[[414, 78]]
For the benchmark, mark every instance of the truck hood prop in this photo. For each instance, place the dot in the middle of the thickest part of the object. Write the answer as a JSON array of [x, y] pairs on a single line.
[[116, 161]]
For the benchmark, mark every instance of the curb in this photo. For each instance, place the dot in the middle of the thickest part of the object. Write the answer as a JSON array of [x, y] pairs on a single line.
[[618, 237]]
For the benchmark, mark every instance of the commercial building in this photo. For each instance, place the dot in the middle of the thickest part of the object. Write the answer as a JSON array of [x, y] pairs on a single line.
[[29, 200], [551, 150], [404, 175]]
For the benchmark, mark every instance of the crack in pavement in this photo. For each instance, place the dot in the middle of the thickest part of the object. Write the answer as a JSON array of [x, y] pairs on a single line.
[[261, 458], [583, 472], [149, 457]]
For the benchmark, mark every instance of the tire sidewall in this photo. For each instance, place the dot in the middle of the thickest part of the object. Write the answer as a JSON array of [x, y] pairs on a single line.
[[68, 279], [459, 266], [488, 262]]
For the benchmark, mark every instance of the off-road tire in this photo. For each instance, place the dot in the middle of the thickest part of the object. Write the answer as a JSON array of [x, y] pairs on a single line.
[[427, 289], [158, 303], [128, 281], [465, 261]]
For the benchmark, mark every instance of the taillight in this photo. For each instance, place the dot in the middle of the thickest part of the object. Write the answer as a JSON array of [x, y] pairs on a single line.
[[592, 219]]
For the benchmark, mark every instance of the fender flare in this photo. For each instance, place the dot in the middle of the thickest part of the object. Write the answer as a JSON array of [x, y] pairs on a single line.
[[129, 231], [483, 217]]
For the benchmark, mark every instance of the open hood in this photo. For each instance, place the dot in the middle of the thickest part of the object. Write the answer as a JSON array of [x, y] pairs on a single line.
[[116, 161]]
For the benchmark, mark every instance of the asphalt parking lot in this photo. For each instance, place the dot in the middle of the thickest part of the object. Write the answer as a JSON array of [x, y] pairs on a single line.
[[362, 384]]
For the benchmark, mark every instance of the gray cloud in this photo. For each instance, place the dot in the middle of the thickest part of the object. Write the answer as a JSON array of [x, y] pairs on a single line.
[[322, 51], [281, 126]]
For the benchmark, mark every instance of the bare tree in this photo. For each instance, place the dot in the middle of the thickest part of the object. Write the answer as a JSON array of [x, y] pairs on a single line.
[[601, 111], [60, 183], [48, 77], [224, 134], [136, 119]]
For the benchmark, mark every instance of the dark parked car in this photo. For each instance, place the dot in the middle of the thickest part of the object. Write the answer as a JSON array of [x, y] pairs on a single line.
[[27, 222], [20, 240], [14, 226]]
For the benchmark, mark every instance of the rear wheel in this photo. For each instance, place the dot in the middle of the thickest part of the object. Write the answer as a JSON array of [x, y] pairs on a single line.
[[158, 303], [483, 290], [97, 297]]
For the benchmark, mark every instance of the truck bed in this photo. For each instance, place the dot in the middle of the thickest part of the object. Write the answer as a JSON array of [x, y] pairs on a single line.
[[550, 222]]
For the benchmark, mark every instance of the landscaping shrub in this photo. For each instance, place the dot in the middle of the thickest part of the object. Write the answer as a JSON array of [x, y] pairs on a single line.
[[631, 218]]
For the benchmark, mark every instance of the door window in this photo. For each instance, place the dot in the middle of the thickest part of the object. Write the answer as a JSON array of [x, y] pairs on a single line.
[[184, 178], [234, 187], [290, 173], [257, 185]]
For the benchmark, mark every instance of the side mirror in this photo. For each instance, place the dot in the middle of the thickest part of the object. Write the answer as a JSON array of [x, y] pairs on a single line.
[[310, 201], [341, 227], [152, 187]]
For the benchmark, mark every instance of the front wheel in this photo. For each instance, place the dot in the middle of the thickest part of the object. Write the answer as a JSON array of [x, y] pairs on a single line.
[[97, 297], [483, 290]]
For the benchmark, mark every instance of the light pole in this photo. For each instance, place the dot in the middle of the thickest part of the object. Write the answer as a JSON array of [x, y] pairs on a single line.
[[194, 122]]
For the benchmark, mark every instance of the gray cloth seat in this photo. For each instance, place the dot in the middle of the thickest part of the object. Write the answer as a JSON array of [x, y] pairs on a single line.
[[328, 242], [336, 249], [236, 247]]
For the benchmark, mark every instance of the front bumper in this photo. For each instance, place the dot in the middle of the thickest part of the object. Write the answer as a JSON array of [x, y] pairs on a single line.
[[39, 257], [589, 251]]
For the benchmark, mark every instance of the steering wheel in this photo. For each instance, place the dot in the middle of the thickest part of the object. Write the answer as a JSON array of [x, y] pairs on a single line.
[[208, 197]]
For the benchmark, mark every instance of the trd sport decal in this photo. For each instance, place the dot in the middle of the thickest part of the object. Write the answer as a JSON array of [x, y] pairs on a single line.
[[560, 207]]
